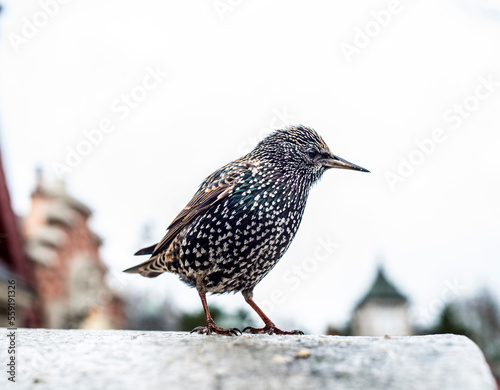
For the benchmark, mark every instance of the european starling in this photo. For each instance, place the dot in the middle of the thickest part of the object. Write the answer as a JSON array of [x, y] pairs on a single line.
[[242, 220]]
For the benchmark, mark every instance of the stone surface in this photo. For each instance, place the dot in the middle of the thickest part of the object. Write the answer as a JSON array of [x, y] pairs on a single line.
[[81, 359]]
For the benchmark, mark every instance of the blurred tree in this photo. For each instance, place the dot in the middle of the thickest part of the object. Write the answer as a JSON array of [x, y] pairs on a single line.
[[477, 318], [482, 315], [149, 313], [334, 331], [240, 319], [449, 322]]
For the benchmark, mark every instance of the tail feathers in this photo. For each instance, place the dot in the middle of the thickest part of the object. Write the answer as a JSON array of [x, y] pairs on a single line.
[[146, 251], [147, 269]]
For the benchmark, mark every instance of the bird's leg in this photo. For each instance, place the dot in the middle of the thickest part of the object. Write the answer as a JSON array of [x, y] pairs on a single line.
[[211, 327], [269, 326]]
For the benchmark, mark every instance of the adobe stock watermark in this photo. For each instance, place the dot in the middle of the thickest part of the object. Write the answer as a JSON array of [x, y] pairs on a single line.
[[120, 108], [363, 36], [223, 7], [451, 290], [30, 27], [280, 118], [453, 117], [293, 278]]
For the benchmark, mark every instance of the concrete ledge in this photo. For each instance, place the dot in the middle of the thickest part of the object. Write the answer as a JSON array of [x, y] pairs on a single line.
[[80, 359]]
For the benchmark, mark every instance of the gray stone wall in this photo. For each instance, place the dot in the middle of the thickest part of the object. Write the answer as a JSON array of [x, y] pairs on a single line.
[[121, 360]]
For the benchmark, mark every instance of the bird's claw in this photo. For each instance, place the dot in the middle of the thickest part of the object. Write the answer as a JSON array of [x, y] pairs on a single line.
[[271, 329], [209, 329], [200, 330]]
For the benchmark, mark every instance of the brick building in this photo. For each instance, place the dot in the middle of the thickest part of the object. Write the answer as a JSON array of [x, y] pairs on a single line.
[[14, 265], [65, 260]]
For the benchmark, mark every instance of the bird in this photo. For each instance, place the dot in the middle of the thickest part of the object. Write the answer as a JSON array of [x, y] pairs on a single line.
[[241, 221]]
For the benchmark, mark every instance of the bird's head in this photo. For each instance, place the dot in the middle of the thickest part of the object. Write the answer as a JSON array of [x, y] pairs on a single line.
[[300, 151]]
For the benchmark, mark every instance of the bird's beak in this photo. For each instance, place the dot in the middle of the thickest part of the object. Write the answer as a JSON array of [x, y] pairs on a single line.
[[337, 162]]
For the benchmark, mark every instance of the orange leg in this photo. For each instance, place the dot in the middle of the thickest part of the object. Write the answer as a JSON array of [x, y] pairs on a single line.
[[269, 326], [211, 327]]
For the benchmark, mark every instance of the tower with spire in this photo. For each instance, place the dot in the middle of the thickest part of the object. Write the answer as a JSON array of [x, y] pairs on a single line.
[[382, 311]]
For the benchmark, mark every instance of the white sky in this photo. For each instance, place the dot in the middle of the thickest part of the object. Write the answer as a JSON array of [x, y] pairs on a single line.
[[229, 78]]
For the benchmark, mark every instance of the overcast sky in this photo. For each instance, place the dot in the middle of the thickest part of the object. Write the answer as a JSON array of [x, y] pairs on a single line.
[[135, 103]]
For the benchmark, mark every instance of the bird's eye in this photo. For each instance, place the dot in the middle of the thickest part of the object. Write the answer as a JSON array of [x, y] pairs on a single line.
[[312, 153]]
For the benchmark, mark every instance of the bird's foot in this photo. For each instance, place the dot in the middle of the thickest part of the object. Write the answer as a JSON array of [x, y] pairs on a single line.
[[212, 328], [270, 328]]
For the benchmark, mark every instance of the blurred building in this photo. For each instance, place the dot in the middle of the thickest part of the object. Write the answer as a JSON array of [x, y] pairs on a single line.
[[14, 266], [382, 311], [68, 270]]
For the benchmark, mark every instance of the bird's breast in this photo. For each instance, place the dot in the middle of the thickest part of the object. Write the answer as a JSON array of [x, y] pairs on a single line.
[[239, 240]]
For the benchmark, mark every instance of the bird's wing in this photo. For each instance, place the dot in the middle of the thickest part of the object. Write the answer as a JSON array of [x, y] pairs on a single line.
[[215, 188]]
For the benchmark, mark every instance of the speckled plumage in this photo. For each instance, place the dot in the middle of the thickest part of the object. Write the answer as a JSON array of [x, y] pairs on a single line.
[[244, 216]]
